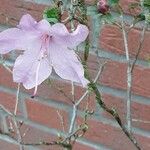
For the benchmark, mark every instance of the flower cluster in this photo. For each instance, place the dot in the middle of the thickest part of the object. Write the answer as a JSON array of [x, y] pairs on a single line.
[[45, 47]]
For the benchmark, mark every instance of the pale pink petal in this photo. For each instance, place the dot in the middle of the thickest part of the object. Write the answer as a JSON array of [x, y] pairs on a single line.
[[27, 22], [43, 26], [16, 39], [26, 68], [11, 39], [62, 36], [59, 29], [44, 72], [67, 65]]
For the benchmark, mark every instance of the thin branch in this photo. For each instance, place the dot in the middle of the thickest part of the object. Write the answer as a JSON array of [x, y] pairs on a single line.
[[129, 75], [74, 115], [6, 110], [17, 99], [18, 134], [61, 120], [139, 47], [72, 91], [2, 62], [98, 97], [7, 68], [15, 124], [113, 113], [75, 106], [66, 142]]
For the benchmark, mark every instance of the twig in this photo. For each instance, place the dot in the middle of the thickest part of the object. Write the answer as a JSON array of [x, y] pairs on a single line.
[[2, 62], [18, 134], [129, 76], [15, 124], [139, 47], [74, 114], [114, 114], [6, 111], [98, 97], [17, 99], [75, 106], [66, 142], [61, 120], [72, 91], [7, 68]]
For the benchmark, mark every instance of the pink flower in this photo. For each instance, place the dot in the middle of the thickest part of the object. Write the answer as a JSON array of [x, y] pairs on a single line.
[[103, 7], [46, 47]]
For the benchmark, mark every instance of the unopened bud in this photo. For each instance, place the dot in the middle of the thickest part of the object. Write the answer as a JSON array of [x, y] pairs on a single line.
[[103, 7]]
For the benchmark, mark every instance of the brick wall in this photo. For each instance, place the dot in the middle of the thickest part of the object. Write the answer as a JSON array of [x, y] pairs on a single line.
[[40, 115]]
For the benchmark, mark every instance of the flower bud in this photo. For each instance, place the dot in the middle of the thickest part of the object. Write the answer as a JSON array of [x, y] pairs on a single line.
[[103, 7]]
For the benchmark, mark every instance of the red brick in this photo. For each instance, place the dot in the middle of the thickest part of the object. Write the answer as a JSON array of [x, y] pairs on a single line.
[[6, 78], [90, 2], [144, 142], [60, 91], [8, 101], [13, 10], [112, 137], [34, 135], [7, 146], [114, 75], [126, 5], [46, 115], [139, 111], [111, 40], [78, 146]]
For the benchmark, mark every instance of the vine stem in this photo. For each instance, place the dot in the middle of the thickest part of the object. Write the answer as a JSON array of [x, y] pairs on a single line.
[[113, 113], [99, 100]]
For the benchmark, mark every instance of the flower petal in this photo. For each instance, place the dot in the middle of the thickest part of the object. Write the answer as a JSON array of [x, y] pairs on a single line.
[[70, 39], [67, 65], [25, 70], [43, 26], [11, 39], [27, 22], [16, 39]]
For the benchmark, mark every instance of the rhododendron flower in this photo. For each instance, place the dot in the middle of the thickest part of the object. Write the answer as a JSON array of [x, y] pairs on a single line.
[[45, 47]]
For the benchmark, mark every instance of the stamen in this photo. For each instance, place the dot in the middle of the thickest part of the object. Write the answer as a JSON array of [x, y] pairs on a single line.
[[36, 80], [43, 54]]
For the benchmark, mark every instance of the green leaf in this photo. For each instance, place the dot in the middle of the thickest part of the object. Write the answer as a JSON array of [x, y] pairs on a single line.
[[113, 2], [52, 20], [140, 17], [146, 3], [51, 15], [147, 16]]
